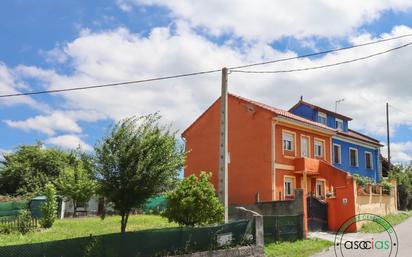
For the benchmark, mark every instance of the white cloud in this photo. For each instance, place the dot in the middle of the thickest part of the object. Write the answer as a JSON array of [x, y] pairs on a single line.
[[69, 142], [9, 84], [268, 20], [401, 152], [120, 55], [65, 121]]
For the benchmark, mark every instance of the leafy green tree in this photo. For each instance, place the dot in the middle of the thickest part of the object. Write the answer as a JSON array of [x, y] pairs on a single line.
[[403, 176], [49, 208], [194, 202], [29, 168], [77, 184], [138, 159]]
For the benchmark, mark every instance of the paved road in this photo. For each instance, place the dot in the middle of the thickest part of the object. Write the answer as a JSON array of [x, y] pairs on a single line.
[[403, 230]]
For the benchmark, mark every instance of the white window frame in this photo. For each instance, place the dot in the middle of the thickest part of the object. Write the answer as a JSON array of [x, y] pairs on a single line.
[[366, 164], [308, 146], [323, 115], [357, 157], [292, 142], [323, 184], [290, 180], [340, 153], [340, 122], [316, 143]]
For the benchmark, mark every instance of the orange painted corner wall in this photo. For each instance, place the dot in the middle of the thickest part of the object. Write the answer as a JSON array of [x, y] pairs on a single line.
[[249, 139]]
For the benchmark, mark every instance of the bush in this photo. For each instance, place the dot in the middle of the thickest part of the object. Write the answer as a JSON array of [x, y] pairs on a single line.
[[24, 221], [386, 186], [49, 208], [194, 202], [361, 181]]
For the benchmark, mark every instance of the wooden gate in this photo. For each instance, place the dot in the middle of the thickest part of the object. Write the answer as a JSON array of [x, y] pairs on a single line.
[[317, 214]]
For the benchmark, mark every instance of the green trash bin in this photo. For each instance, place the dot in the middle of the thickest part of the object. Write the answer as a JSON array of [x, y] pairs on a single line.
[[35, 206]]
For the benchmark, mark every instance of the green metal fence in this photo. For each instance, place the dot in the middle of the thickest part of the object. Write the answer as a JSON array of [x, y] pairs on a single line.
[[12, 208], [161, 242], [283, 228]]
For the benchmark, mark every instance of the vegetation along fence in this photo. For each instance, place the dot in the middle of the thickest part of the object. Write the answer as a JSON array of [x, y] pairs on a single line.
[[283, 228], [15, 222], [159, 242], [12, 208]]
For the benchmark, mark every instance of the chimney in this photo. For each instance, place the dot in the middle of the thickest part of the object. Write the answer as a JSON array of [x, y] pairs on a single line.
[[301, 98]]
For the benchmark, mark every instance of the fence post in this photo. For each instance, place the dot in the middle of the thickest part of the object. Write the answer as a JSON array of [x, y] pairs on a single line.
[[259, 230]]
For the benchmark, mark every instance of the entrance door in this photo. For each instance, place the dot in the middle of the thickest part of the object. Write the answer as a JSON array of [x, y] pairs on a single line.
[[304, 146], [317, 214]]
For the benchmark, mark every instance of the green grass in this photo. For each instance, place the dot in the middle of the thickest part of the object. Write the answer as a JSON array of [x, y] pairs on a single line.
[[80, 227], [393, 219], [301, 248]]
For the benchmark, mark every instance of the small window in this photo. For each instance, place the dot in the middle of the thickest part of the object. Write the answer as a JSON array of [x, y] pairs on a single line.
[[353, 156], [368, 160], [322, 118], [320, 188], [318, 148], [288, 186], [336, 153], [339, 124], [288, 141]]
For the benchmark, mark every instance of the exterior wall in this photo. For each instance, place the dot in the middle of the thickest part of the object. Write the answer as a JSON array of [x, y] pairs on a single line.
[[250, 148], [285, 162], [341, 206], [304, 111], [379, 204], [361, 169]]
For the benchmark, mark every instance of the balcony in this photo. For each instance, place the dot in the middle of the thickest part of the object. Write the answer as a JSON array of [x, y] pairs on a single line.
[[309, 165]]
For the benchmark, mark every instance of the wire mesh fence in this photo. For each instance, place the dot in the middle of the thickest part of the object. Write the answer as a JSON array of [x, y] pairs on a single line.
[[283, 228], [160, 242]]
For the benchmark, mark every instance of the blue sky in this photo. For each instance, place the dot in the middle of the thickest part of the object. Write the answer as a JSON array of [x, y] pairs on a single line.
[[54, 44]]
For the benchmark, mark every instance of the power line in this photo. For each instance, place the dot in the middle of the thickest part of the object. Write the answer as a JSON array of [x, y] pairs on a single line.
[[322, 52], [326, 65], [400, 110], [110, 84], [209, 71]]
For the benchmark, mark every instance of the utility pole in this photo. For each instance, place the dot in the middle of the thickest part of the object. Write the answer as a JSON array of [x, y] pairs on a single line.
[[223, 164], [387, 135]]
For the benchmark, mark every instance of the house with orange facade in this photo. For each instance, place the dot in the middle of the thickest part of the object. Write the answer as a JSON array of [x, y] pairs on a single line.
[[271, 153]]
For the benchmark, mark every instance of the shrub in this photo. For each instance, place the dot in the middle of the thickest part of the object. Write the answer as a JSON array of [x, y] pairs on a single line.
[[386, 186], [49, 208], [194, 202], [361, 180], [24, 221]]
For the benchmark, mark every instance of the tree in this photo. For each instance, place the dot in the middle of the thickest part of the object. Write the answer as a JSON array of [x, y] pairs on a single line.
[[29, 168], [403, 176], [139, 158], [49, 208], [194, 202], [78, 184]]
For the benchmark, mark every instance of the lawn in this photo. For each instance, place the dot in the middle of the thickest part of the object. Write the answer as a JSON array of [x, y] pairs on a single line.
[[81, 227], [393, 219], [301, 248]]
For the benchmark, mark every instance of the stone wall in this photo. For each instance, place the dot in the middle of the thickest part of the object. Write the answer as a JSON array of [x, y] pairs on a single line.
[[285, 207], [244, 251], [376, 203], [256, 250]]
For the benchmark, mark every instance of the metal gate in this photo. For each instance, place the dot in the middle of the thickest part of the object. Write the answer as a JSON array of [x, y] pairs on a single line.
[[317, 214]]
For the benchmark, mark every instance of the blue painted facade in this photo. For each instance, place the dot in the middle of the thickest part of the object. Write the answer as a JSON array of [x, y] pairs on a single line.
[[361, 169], [310, 112]]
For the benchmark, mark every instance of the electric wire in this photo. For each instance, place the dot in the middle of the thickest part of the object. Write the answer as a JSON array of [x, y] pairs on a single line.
[[231, 69], [326, 65]]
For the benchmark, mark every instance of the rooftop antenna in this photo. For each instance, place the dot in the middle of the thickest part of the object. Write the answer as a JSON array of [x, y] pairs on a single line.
[[336, 103]]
